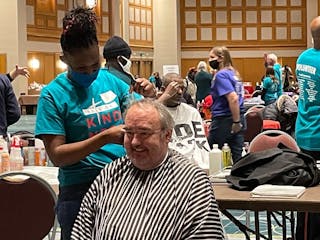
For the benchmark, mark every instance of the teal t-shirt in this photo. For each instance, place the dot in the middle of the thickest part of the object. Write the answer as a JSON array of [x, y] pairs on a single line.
[[79, 113], [152, 79], [271, 88], [308, 120], [278, 75]]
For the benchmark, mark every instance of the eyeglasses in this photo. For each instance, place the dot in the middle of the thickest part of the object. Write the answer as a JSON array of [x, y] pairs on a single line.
[[140, 133]]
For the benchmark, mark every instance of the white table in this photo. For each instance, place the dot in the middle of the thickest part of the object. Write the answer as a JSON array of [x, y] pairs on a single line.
[[50, 174]]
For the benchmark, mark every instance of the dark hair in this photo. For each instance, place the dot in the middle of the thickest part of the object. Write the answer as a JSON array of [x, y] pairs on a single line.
[[191, 73], [79, 29], [270, 73]]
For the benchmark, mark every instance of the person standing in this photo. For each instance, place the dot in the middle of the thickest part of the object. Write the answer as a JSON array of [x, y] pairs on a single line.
[[156, 80], [203, 81], [270, 86], [308, 122], [271, 59], [227, 110], [9, 106], [153, 192], [79, 115], [117, 54]]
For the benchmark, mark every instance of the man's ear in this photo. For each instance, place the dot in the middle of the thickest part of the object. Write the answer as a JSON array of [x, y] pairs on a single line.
[[168, 135]]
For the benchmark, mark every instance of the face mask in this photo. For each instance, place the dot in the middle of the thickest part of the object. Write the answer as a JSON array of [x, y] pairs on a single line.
[[83, 79], [127, 66], [214, 64]]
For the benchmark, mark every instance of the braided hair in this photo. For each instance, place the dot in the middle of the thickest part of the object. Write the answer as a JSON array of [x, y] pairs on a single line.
[[79, 29]]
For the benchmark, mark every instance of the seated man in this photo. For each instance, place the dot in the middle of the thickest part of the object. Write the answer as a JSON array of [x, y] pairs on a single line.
[[188, 136], [153, 192]]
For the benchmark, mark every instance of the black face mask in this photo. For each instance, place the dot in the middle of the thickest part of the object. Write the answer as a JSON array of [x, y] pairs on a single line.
[[214, 64]]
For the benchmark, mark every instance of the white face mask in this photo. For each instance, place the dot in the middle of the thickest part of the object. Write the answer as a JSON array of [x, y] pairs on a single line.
[[127, 66]]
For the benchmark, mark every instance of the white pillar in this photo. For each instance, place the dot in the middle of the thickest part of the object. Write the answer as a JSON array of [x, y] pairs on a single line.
[[312, 12], [166, 38], [13, 38]]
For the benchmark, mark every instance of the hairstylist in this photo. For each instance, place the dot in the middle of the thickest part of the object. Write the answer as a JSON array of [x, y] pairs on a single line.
[[79, 115]]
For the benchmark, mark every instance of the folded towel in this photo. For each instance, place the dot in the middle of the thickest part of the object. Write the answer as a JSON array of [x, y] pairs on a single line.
[[277, 191]]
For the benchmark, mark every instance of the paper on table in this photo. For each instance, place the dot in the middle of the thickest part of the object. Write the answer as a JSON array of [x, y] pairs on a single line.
[[220, 177], [277, 191]]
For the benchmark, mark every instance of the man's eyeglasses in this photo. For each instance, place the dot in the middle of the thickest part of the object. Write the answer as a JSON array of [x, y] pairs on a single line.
[[140, 133]]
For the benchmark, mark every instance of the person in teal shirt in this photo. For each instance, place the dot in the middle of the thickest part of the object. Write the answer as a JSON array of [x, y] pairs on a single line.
[[308, 120], [79, 115], [270, 86], [272, 60]]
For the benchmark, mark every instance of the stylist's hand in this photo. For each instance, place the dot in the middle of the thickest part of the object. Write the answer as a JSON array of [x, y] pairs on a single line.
[[115, 134], [144, 87], [236, 127]]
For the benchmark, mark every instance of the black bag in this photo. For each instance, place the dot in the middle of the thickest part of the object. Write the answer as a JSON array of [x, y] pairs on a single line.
[[274, 166]]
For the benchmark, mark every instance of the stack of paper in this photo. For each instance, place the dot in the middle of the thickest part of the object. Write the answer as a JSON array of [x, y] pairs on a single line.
[[277, 191], [220, 177]]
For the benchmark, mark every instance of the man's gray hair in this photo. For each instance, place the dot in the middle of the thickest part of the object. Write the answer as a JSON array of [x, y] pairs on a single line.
[[166, 120], [273, 57]]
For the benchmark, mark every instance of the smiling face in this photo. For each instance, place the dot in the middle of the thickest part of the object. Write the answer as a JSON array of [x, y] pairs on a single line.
[[145, 140]]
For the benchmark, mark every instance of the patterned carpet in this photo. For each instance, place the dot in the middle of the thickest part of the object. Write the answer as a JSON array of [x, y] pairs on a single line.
[[233, 232]]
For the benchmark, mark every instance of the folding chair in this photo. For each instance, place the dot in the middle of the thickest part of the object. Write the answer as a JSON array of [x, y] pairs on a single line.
[[27, 205], [270, 139], [254, 119]]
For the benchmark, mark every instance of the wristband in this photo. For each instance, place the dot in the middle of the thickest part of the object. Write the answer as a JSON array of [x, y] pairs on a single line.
[[10, 78], [236, 121]]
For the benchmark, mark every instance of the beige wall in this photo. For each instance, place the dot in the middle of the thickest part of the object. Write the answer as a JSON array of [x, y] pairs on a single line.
[[13, 37], [166, 36]]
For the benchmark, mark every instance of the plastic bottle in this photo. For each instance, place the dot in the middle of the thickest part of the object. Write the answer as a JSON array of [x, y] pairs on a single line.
[[31, 154], [37, 153], [215, 160], [43, 161], [5, 162], [226, 156], [16, 159]]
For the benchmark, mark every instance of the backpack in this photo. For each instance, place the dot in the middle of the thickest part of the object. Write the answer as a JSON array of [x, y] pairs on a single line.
[[274, 166]]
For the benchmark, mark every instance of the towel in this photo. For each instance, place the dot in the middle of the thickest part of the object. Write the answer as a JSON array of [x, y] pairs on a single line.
[[277, 191]]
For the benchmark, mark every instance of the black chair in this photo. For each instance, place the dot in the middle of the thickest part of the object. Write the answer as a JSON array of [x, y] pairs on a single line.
[[27, 205], [254, 120]]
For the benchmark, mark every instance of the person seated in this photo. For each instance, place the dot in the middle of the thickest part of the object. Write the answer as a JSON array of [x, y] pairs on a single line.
[[151, 193], [191, 87], [270, 86], [188, 136]]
